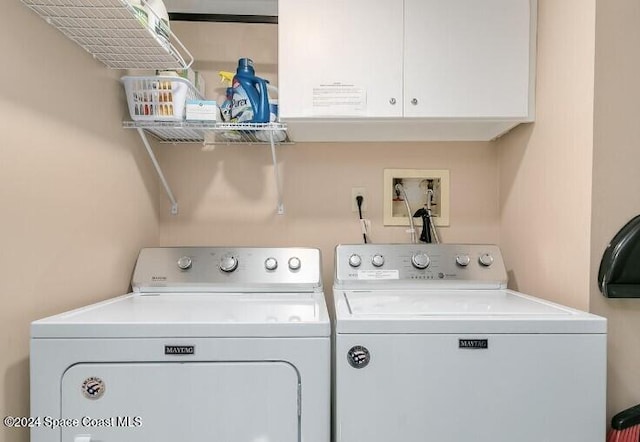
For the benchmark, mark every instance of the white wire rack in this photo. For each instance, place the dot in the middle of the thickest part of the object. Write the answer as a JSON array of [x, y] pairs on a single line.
[[213, 133], [248, 133], [111, 32], [170, 132]]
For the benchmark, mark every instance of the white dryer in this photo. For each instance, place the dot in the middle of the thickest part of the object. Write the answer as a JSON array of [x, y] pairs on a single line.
[[431, 346], [214, 344]]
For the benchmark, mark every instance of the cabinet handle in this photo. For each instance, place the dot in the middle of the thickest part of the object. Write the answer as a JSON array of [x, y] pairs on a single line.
[[392, 101], [414, 101]]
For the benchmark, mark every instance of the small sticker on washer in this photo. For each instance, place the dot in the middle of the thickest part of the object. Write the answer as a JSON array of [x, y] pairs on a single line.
[[93, 388], [378, 274]]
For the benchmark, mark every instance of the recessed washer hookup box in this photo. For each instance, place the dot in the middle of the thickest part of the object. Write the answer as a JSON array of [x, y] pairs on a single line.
[[201, 110]]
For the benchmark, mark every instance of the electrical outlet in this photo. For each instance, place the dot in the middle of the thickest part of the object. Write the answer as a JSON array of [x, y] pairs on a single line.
[[355, 191], [419, 185]]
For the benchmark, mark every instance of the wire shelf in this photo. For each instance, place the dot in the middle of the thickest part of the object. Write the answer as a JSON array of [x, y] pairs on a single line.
[[247, 133], [213, 133], [111, 32]]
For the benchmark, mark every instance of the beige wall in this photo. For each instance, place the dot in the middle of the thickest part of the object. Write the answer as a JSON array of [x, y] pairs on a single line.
[[545, 168], [77, 196], [229, 196], [569, 182], [616, 182], [217, 47]]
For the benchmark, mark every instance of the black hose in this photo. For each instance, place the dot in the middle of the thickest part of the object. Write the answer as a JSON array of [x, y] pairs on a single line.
[[425, 236], [359, 200]]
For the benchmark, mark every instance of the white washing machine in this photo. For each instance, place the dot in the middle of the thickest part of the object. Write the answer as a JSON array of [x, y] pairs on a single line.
[[214, 344], [431, 346]]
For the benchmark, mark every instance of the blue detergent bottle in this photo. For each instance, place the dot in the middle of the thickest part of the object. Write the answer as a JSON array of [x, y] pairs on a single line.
[[227, 106], [251, 100]]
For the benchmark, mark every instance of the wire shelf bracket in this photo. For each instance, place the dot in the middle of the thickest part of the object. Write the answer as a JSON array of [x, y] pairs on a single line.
[[276, 173], [163, 180], [211, 134]]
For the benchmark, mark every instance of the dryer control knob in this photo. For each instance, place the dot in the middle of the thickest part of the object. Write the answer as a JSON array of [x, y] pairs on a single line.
[[420, 260], [486, 260], [228, 264], [271, 263], [377, 260], [355, 260], [294, 263], [184, 263], [463, 260]]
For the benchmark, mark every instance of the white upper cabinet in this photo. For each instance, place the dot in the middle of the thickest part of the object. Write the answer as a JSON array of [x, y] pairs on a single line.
[[405, 70], [340, 58], [466, 58]]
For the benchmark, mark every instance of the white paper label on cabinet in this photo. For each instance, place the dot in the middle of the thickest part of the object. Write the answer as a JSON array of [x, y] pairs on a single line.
[[339, 100], [378, 274]]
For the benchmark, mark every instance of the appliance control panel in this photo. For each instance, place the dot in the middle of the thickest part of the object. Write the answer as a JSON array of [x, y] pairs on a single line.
[[420, 265], [260, 269]]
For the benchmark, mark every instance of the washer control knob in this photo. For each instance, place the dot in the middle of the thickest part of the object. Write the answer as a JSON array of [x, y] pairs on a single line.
[[463, 260], [420, 260], [271, 263], [486, 259], [294, 263], [377, 260], [355, 260], [228, 264], [184, 263]]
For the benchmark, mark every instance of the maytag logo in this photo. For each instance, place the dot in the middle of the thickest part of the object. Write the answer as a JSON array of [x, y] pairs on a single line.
[[473, 344], [179, 350]]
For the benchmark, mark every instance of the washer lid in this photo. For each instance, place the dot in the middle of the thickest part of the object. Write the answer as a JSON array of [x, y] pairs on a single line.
[[457, 311], [193, 315]]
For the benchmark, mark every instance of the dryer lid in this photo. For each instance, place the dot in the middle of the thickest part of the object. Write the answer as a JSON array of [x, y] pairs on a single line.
[[459, 311], [193, 315]]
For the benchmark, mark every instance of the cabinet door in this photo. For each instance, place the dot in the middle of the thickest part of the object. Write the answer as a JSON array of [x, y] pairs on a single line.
[[340, 58], [467, 58]]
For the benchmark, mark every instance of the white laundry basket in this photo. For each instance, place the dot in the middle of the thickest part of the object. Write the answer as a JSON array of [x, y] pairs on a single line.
[[159, 98]]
